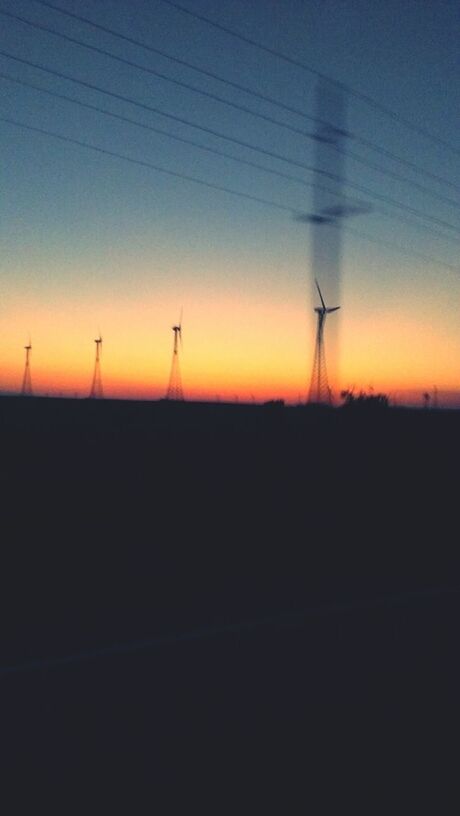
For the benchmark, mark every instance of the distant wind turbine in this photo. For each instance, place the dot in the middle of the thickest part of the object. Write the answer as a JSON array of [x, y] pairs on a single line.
[[26, 389], [175, 391]]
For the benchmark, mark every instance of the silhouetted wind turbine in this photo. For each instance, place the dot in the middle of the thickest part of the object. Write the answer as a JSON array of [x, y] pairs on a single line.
[[175, 391], [96, 386], [26, 389], [319, 388]]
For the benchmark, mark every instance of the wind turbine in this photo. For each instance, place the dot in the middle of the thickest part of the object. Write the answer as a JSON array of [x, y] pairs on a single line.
[[319, 387], [26, 389], [175, 391], [96, 385]]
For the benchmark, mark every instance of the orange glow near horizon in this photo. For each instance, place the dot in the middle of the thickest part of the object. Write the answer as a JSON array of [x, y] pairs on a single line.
[[250, 349]]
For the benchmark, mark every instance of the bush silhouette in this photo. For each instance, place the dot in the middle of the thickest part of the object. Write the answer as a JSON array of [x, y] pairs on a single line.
[[364, 401]]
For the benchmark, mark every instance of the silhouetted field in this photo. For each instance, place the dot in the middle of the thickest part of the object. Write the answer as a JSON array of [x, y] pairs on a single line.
[[329, 537]]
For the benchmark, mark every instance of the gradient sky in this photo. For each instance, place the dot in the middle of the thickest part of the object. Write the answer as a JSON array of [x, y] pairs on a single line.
[[92, 243]]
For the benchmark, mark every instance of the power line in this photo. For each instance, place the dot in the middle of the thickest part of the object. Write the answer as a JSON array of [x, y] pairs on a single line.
[[420, 227], [382, 151], [272, 154], [220, 188], [158, 111], [369, 100], [391, 174], [159, 74], [151, 166], [235, 105], [282, 105], [400, 250], [212, 150], [167, 134], [180, 61]]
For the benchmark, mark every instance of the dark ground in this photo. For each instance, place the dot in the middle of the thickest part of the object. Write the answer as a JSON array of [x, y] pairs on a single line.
[[310, 559]]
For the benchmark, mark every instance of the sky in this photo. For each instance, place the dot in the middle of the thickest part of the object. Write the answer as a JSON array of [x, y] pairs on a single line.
[[94, 243]]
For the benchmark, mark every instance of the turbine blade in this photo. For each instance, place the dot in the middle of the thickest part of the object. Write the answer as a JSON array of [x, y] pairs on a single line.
[[180, 318], [332, 309], [319, 290]]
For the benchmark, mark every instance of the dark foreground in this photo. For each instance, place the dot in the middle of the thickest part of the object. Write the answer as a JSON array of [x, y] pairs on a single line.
[[201, 598]]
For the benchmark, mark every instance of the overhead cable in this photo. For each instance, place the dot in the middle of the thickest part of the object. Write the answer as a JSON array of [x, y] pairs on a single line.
[[215, 151], [295, 212], [369, 100], [243, 108], [272, 154], [245, 89]]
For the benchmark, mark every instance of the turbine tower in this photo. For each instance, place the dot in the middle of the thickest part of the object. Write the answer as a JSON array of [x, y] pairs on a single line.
[[175, 391], [26, 389], [330, 206], [319, 386], [96, 386]]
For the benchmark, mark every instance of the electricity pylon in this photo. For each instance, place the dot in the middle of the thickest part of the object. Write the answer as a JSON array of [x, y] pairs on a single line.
[[175, 391], [96, 386], [330, 206], [26, 389], [319, 386]]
